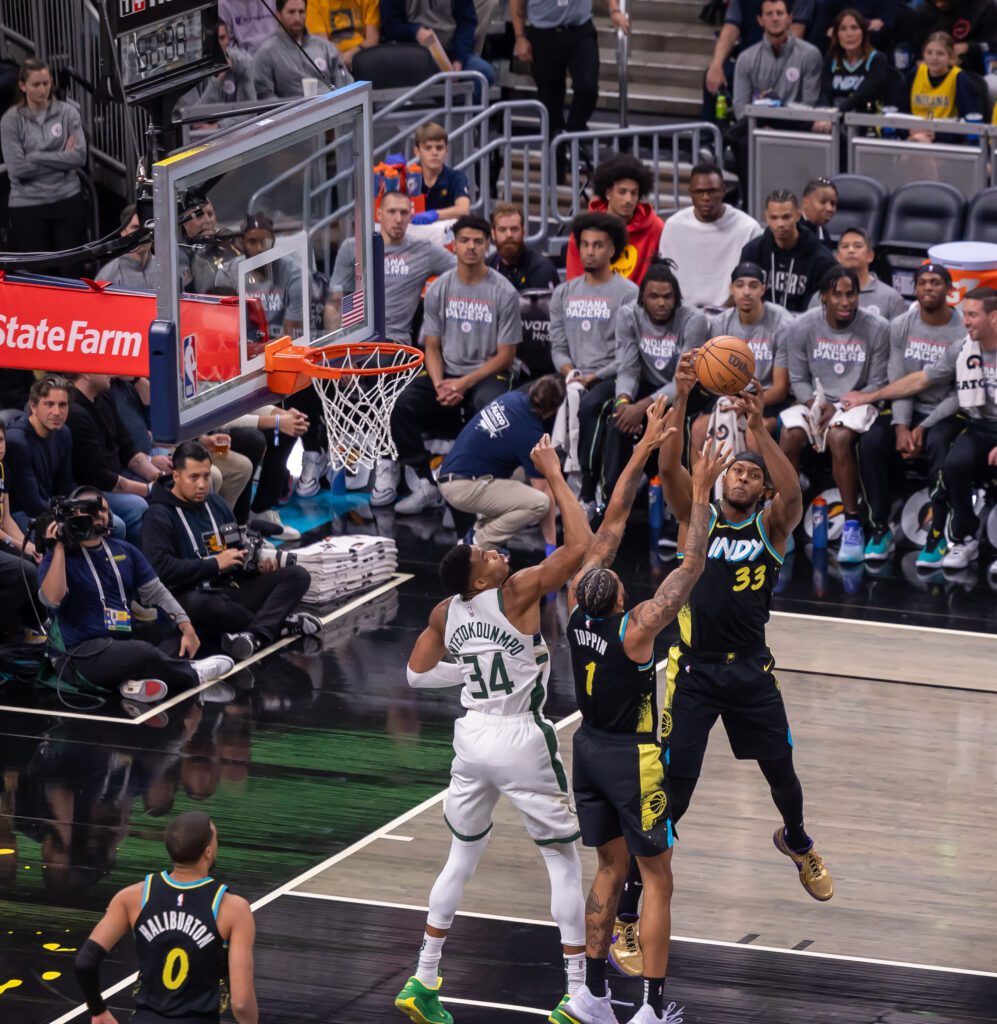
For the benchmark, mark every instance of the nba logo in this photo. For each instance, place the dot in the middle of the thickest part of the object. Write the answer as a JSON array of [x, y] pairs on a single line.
[[189, 367]]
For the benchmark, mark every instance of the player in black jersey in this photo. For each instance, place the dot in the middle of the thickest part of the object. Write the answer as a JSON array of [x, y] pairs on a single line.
[[722, 666], [618, 772], [191, 934]]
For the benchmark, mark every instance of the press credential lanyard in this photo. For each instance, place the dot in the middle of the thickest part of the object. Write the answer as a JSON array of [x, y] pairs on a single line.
[[190, 532], [114, 619]]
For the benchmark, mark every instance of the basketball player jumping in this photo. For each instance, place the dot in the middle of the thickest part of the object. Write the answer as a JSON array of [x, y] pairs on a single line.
[[191, 934], [503, 744], [618, 772], [722, 666]]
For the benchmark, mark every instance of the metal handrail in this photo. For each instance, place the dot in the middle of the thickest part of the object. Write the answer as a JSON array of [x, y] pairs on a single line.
[[623, 66], [615, 140]]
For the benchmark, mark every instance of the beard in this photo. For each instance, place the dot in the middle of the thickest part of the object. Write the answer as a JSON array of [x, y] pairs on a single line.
[[743, 505]]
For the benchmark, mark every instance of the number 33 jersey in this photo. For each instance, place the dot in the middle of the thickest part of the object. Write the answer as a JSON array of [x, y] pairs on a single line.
[[729, 605], [508, 669]]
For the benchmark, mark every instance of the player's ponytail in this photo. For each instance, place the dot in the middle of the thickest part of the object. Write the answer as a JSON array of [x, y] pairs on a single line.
[[596, 592]]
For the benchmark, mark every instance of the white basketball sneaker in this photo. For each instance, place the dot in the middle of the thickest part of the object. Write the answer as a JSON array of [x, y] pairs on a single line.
[[314, 466], [384, 486], [585, 1008], [645, 1015]]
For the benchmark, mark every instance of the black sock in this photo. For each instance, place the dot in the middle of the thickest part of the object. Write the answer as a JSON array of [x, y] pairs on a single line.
[[587, 490], [595, 975], [630, 897], [787, 793], [654, 993]]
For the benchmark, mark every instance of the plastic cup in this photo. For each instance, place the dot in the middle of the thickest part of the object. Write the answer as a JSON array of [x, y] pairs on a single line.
[[310, 87]]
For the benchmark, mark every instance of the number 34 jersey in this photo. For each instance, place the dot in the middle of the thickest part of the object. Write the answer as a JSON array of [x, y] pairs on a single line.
[[729, 605], [509, 669]]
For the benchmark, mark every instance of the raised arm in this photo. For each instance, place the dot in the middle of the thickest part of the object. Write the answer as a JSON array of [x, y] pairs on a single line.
[[649, 618], [675, 479], [604, 545]]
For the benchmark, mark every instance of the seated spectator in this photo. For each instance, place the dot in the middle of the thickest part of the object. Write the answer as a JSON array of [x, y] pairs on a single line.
[[779, 67], [447, 192], [136, 269], [972, 24], [280, 66], [820, 204], [471, 328], [18, 575], [856, 253], [651, 335], [855, 74], [104, 454], [839, 348], [794, 261], [524, 268], [250, 22], [762, 325], [185, 540], [742, 29], [232, 85], [925, 424], [350, 25], [583, 319], [477, 474], [202, 251], [452, 23], [705, 239], [43, 145], [40, 451], [878, 16], [970, 369], [620, 185], [938, 89], [89, 588]]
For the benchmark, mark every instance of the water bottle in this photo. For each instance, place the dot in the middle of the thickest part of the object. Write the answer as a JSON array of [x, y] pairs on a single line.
[[819, 513], [975, 119], [888, 130], [721, 108], [655, 504]]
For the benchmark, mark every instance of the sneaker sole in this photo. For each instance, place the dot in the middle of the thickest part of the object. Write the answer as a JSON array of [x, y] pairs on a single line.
[[877, 556], [238, 651], [308, 491], [623, 971], [560, 1016], [408, 1007]]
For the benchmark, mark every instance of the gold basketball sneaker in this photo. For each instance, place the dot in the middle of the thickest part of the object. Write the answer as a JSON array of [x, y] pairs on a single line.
[[624, 949], [814, 876]]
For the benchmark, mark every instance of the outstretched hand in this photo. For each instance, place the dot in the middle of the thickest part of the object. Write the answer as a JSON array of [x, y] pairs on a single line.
[[685, 373], [655, 433], [545, 458], [750, 405], [710, 463]]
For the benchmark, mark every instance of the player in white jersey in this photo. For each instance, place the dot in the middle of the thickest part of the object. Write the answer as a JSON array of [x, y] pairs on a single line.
[[503, 745]]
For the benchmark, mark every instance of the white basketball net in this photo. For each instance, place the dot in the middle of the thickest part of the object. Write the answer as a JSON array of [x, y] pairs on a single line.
[[357, 407]]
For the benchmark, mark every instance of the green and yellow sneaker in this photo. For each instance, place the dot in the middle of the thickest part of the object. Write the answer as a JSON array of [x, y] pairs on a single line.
[[421, 1003], [560, 1015]]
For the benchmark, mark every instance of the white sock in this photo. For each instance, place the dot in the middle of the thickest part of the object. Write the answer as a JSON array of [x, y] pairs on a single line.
[[429, 960], [574, 972]]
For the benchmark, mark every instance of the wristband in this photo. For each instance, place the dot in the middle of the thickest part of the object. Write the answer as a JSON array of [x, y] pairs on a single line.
[[622, 400]]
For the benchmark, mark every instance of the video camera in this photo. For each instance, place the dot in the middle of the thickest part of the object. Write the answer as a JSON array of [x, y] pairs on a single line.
[[74, 517], [252, 540]]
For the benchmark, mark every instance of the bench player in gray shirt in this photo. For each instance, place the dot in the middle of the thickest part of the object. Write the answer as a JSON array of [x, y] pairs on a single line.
[[846, 349], [973, 454], [279, 66], [651, 334], [409, 263], [583, 315], [855, 251], [136, 269], [925, 424], [470, 329]]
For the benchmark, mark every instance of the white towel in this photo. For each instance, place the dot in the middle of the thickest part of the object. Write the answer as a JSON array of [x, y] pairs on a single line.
[[970, 383], [729, 429], [565, 435], [820, 400]]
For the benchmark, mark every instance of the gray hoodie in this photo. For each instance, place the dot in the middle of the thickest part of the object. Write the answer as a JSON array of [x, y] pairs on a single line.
[[854, 358], [41, 169], [279, 65], [649, 352], [583, 323], [914, 345]]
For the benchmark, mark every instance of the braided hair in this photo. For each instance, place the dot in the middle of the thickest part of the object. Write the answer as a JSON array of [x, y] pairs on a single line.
[[596, 592]]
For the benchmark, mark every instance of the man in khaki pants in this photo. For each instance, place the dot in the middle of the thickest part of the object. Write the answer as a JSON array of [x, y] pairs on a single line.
[[477, 475]]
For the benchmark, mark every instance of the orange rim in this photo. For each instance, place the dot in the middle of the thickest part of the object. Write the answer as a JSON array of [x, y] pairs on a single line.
[[289, 367]]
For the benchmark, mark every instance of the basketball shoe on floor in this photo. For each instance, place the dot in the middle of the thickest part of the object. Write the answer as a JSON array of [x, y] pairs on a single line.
[[314, 466], [879, 545], [584, 1008], [273, 516], [852, 547], [421, 1003], [424, 495], [672, 1014], [962, 553], [624, 949], [934, 550], [384, 482], [814, 876]]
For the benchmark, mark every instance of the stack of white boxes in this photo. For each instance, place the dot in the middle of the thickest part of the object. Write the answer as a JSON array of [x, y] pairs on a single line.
[[340, 566]]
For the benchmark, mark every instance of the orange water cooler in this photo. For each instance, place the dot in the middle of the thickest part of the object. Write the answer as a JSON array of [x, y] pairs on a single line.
[[971, 264]]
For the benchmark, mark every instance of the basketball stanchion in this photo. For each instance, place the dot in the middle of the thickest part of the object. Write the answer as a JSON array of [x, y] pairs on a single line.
[[358, 384]]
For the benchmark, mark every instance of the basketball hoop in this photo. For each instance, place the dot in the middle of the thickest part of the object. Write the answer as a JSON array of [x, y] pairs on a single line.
[[357, 383]]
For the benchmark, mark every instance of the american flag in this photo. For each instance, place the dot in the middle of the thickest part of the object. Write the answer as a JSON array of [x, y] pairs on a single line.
[[353, 309]]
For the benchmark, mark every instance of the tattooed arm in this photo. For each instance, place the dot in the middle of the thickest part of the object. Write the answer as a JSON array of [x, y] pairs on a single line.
[[604, 545], [649, 618]]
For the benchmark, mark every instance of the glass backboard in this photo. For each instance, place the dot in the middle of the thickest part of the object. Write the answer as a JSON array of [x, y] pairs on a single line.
[[247, 230]]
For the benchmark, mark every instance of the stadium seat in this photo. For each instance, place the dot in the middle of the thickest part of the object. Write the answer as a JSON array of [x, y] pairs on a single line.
[[534, 350], [862, 203], [394, 65], [981, 217]]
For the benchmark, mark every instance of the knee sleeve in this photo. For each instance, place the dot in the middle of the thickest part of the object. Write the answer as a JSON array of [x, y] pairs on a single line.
[[567, 901], [448, 890]]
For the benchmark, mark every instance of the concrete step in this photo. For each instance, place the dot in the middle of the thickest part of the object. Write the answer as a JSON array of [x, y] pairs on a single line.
[[663, 101], [670, 38], [664, 68]]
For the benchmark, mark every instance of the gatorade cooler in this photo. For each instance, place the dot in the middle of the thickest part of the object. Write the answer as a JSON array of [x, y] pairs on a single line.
[[972, 265]]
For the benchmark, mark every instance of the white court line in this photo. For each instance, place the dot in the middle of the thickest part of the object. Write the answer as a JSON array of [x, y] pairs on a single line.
[[675, 938], [495, 1006], [832, 619], [400, 839], [396, 580]]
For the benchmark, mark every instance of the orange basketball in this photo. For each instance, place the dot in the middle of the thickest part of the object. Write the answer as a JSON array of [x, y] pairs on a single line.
[[725, 365]]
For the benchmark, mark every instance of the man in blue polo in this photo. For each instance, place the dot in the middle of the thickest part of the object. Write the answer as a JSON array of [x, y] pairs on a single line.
[[476, 475]]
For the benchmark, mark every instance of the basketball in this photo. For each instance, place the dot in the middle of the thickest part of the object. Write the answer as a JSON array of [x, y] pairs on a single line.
[[725, 365]]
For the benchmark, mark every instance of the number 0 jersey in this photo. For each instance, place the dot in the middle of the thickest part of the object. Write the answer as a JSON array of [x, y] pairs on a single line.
[[183, 962], [729, 605], [509, 669], [614, 693]]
